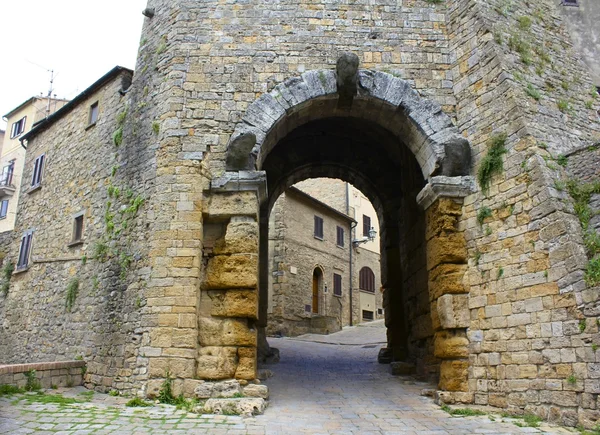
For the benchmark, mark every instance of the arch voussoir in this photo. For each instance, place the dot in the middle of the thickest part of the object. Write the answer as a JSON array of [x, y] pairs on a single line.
[[418, 122]]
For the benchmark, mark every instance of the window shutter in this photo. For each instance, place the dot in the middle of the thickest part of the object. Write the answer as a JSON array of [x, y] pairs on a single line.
[[35, 169], [337, 284], [340, 236], [366, 279], [366, 225], [318, 227]]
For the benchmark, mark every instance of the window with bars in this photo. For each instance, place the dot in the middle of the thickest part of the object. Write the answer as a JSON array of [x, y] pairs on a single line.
[[340, 236], [366, 280], [4, 208], [25, 250], [318, 227], [18, 127], [38, 166], [366, 225], [337, 284]]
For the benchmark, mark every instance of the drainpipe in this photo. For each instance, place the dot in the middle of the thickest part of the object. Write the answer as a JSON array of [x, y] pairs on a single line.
[[350, 246]]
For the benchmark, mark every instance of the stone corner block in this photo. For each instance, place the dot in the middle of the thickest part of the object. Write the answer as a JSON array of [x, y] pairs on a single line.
[[453, 311]]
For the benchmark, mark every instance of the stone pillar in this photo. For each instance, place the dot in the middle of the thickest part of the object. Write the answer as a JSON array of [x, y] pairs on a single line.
[[442, 201], [228, 311]]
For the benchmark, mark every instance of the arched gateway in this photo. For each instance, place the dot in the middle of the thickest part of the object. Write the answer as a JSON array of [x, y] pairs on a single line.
[[374, 131]]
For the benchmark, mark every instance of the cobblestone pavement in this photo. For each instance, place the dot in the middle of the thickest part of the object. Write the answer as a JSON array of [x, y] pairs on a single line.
[[333, 386]]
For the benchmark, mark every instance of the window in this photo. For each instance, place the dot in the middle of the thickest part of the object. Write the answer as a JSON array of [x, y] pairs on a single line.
[[366, 225], [367, 315], [78, 229], [570, 3], [3, 209], [37, 171], [379, 311], [7, 174], [366, 280], [93, 113], [18, 127], [337, 284], [319, 227], [25, 250], [340, 236]]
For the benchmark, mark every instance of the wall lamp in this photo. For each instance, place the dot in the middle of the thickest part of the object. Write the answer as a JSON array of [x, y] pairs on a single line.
[[369, 238]]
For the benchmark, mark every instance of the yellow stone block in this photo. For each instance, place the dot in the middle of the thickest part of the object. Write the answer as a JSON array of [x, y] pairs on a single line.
[[234, 303], [451, 344], [454, 375], [246, 368], [232, 271]]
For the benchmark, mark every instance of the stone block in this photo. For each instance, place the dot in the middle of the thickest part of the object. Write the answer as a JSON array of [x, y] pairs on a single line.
[[247, 363], [232, 271], [453, 311], [216, 362], [255, 390], [446, 248], [190, 385], [442, 217], [225, 332], [454, 375], [229, 388], [446, 279], [176, 367], [227, 205], [242, 406], [451, 344], [240, 237], [234, 303]]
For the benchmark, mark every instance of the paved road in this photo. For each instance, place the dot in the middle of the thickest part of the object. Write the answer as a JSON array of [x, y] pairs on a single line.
[[333, 386]]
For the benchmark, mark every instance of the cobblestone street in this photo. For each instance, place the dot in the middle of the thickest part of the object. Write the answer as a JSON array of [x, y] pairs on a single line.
[[333, 386]]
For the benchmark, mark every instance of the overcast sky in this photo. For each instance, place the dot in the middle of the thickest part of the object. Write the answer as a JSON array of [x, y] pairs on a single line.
[[80, 40]]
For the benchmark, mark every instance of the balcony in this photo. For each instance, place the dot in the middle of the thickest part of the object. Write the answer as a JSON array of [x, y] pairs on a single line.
[[7, 188]]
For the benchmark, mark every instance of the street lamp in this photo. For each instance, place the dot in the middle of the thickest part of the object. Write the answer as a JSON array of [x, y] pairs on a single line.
[[369, 238]]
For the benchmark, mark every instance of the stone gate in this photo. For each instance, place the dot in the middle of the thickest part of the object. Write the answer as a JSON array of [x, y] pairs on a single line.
[[456, 119]]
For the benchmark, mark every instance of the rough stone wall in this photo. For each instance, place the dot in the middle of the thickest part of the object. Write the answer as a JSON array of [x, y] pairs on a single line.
[[526, 259], [83, 170], [302, 253], [583, 164]]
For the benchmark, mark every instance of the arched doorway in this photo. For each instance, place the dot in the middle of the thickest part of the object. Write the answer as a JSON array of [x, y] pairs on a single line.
[[317, 280], [405, 155]]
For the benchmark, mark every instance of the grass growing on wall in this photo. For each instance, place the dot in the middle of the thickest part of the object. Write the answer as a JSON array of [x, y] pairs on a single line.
[[72, 290], [581, 194], [492, 164]]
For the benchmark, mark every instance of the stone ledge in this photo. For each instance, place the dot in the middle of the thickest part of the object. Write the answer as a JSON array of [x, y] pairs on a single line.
[[43, 366], [445, 187]]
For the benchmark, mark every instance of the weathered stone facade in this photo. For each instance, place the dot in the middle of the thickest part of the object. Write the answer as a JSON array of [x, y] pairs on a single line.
[[234, 103], [300, 260]]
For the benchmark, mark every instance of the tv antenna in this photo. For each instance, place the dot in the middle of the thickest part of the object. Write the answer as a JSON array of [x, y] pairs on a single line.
[[50, 87]]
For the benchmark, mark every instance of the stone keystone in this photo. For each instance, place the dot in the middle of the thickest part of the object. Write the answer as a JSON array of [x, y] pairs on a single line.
[[347, 79]]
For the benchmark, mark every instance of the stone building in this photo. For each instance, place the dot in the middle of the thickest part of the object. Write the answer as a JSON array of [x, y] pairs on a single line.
[[309, 256], [19, 121], [365, 256], [463, 122]]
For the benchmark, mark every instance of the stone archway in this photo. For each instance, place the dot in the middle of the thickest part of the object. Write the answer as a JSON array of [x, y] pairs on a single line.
[[426, 162]]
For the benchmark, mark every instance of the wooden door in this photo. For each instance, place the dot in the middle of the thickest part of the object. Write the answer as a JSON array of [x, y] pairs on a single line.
[[315, 293]]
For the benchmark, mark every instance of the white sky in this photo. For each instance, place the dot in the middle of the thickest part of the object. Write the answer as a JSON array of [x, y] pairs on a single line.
[[80, 40]]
